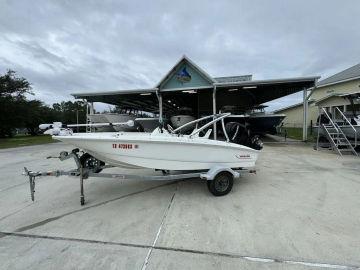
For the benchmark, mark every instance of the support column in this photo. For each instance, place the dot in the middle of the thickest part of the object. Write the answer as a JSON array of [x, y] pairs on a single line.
[[89, 110], [91, 107], [160, 107], [214, 111], [305, 114]]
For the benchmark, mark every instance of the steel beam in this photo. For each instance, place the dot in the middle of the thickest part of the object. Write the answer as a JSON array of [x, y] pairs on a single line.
[[214, 111], [158, 94], [305, 113]]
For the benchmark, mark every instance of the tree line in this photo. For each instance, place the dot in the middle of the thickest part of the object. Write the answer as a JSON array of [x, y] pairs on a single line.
[[19, 112]]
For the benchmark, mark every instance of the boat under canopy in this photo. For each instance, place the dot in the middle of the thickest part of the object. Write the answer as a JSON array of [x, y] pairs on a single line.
[[187, 85]]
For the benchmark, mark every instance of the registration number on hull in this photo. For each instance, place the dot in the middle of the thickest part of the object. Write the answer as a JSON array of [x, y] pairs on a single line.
[[125, 146]]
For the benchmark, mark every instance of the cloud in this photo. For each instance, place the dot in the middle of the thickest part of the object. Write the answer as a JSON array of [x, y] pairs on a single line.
[[71, 46]]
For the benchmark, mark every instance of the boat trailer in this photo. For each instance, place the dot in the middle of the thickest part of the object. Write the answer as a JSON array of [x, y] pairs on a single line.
[[219, 178]]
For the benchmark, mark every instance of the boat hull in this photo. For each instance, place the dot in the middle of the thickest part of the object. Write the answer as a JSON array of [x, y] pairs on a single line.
[[259, 124], [348, 131], [180, 120], [167, 153]]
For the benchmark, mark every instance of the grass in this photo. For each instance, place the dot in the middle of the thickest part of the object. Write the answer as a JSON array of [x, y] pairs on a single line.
[[25, 140], [297, 134]]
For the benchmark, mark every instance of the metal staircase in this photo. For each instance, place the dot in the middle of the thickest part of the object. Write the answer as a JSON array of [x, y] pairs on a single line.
[[334, 134], [346, 123]]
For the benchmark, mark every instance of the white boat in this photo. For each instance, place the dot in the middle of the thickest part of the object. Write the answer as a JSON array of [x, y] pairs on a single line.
[[179, 120], [183, 117], [352, 132], [149, 124], [187, 156], [100, 118], [164, 150]]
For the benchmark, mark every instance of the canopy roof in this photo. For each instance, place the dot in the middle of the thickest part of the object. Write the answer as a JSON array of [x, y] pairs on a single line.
[[187, 83]]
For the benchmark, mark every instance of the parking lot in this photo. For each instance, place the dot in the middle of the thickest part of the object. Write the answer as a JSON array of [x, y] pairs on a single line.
[[300, 211]]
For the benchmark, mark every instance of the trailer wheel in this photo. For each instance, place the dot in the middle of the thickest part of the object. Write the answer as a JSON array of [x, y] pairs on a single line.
[[221, 184], [89, 162]]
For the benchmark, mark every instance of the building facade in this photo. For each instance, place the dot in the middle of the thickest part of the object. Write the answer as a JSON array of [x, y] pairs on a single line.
[[327, 94]]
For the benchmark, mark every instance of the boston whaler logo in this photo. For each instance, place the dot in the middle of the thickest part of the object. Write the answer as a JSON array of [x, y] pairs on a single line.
[[244, 156], [125, 146], [183, 76]]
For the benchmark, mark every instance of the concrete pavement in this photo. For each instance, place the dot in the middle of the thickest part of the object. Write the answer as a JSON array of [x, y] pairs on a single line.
[[300, 211]]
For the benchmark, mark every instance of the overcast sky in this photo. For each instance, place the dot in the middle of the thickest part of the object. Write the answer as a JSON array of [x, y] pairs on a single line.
[[63, 47]]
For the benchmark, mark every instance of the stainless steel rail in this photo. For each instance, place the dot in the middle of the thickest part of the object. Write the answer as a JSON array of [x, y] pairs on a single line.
[[348, 124], [334, 134]]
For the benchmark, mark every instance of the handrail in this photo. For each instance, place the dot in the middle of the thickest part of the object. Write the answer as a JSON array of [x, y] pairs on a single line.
[[348, 142], [349, 123], [331, 139], [318, 131], [201, 119], [345, 118], [339, 131], [342, 133], [331, 121]]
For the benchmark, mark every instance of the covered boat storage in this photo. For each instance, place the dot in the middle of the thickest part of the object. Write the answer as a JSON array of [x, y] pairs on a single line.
[[187, 85], [299, 211]]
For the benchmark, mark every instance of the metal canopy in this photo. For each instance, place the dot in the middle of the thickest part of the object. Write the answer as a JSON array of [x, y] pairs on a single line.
[[187, 85], [262, 91], [245, 94], [140, 99]]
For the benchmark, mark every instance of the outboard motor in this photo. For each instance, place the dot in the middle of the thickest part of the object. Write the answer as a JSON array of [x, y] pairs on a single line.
[[240, 134], [256, 143]]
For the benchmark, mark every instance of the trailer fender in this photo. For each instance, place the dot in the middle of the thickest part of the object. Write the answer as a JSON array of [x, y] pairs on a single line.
[[210, 174]]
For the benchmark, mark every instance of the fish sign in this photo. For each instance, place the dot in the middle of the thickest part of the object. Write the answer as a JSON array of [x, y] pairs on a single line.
[[183, 76]]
